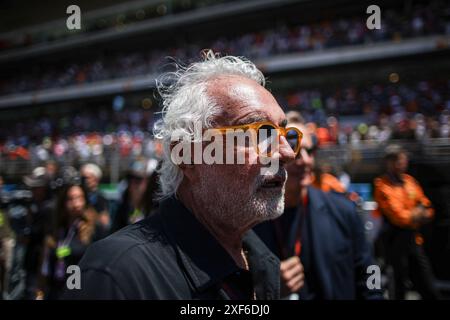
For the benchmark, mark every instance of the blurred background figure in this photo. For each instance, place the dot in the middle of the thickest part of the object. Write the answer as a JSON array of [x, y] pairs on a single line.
[[325, 180], [344, 178], [75, 226], [52, 172], [318, 233], [37, 225], [91, 175], [7, 244], [405, 209], [138, 199]]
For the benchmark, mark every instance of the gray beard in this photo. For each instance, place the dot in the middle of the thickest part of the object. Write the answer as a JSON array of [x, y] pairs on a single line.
[[236, 208]]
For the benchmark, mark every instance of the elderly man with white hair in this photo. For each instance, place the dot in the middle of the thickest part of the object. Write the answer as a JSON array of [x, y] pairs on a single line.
[[200, 244]]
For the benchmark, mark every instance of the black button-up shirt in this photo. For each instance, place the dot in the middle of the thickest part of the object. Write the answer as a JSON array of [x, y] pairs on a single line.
[[171, 255]]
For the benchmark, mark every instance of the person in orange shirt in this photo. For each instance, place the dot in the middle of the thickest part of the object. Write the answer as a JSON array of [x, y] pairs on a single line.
[[326, 181], [405, 208]]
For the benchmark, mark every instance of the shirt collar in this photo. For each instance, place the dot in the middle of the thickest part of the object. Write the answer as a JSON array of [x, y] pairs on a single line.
[[206, 262], [204, 259]]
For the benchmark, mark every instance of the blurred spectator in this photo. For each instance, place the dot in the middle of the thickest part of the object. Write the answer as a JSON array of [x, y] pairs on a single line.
[[325, 180], [294, 117], [344, 177], [7, 243], [405, 209], [75, 226], [138, 199], [38, 221], [51, 170], [310, 236], [149, 200], [91, 174]]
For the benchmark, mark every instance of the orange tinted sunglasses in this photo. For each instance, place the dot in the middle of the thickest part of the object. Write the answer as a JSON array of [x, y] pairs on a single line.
[[292, 134]]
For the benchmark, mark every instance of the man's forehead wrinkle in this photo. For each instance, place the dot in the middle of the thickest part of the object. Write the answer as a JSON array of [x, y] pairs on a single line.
[[246, 94], [235, 88], [233, 99], [219, 97], [220, 93], [242, 101]]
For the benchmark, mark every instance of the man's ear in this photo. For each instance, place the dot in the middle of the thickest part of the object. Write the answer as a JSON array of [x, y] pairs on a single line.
[[185, 158]]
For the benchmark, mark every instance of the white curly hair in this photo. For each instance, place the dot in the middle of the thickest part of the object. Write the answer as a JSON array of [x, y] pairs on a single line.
[[185, 101]]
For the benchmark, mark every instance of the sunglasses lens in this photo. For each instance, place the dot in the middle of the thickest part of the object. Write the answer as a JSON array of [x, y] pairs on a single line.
[[265, 138], [293, 138], [265, 131]]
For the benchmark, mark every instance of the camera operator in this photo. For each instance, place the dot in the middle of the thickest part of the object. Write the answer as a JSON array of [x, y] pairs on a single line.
[[38, 219]]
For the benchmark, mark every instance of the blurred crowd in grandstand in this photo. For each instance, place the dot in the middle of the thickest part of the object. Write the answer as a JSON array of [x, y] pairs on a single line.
[[416, 113], [111, 21], [285, 39]]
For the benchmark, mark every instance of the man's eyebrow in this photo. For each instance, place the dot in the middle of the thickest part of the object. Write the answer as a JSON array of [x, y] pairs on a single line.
[[251, 119]]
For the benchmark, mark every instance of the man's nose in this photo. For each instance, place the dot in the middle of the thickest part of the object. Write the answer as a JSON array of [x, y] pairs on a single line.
[[286, 152]]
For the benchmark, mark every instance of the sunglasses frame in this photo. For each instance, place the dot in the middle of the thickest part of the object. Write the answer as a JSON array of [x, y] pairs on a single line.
[[255, 126]]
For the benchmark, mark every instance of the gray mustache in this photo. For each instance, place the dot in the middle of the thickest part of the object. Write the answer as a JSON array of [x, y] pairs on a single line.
[[280, 175]]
